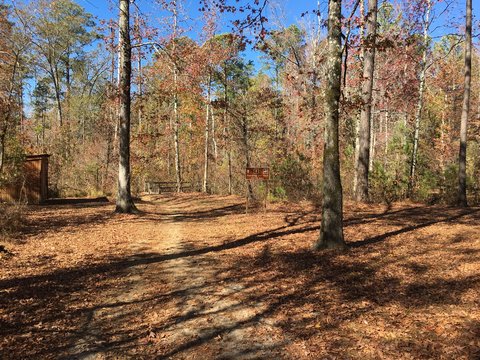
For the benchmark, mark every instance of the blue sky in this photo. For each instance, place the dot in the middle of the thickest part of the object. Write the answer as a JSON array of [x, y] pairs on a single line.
[[285, 13], [289, 13]]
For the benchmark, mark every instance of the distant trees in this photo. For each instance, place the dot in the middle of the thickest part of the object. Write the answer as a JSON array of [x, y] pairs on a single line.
[[8, 66], [13, 62], [201, 110], [59, 31]]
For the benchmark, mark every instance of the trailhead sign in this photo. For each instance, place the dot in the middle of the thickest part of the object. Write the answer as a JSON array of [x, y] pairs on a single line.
[[257, 173]]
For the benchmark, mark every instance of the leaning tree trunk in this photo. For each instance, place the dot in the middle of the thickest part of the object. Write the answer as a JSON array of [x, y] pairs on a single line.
[[363, 155], [331, 230], [421, 92], [462, 158], [124, 197]]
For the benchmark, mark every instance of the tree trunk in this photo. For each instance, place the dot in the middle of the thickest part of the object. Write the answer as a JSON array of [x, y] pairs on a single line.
[[421, 91], [373, 140], [331, 230], [214, 139], [230, 173], [108, 154], [361, 31], [58, 101], [227, 132], [2, 152], [363, 159], [138, 38], [176, 137], [247, 150], [176, 123], [462, 158], [207, 136], [67, 72], [140, 91], [124, 198], [442, 143], [387, 118]]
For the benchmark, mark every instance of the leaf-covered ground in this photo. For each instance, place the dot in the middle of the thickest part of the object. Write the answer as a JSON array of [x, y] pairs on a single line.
[[193, 277]]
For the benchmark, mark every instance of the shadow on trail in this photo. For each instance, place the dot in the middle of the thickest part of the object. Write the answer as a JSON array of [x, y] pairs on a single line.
[[147, 258], [198, 216], [341, 288], [383, 237], [41, 218]]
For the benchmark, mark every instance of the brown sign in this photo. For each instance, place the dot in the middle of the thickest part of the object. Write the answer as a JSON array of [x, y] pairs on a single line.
[[257, 173]]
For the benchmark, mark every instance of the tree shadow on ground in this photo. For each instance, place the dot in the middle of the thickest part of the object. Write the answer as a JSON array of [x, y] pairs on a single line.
[[40, 219], [326, 300]]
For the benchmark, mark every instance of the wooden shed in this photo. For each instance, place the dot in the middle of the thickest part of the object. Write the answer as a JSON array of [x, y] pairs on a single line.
[[33, 188]]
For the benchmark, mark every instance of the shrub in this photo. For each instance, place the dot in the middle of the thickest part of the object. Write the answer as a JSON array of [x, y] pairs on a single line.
[[11, 218], [386, 186], [293, 176]]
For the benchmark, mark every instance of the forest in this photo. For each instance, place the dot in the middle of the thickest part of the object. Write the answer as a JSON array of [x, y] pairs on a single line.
[[362, 244]]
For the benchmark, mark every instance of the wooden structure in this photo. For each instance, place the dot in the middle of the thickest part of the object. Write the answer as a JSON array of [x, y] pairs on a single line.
[[256, 174], [33, 186]]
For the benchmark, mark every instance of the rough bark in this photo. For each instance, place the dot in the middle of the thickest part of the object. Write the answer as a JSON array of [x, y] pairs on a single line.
[[331, 230], [124, 198], [363, 158], [421, 92], [462, 156]]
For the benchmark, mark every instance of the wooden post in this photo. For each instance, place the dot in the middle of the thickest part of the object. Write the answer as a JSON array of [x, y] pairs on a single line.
[[246, 197], [266, 195]]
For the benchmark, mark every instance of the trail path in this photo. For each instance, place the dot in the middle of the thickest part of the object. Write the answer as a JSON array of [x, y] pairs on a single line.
[[210, 317], [194, 277]]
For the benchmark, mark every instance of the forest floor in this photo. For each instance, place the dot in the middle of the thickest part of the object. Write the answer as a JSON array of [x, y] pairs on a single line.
[[193, 277]]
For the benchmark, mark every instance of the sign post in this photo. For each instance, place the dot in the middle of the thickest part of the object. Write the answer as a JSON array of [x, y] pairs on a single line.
[[257, 174]]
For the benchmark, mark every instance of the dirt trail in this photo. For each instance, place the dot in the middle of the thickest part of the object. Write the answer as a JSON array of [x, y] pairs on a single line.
[[194, 277], [205, 310]]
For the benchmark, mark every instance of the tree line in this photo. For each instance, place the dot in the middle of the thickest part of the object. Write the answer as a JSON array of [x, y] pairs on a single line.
[[370, 104]]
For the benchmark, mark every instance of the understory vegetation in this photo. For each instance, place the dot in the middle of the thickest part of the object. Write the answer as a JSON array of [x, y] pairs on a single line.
[[203, 100]]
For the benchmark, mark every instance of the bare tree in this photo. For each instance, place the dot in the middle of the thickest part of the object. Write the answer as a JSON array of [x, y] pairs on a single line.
[[124, 198], [331, 230], [421, 92], [205, 186], [462, 157], [176, 119], [363, 154]]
